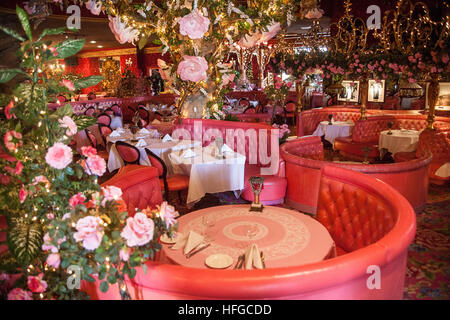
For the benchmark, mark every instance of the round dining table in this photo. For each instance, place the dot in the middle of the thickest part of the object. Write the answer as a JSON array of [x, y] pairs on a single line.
[[334, 130], [286, 237], [399, 140]]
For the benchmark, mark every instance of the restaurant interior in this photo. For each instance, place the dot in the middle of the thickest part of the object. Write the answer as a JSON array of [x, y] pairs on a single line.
[[224, 150]]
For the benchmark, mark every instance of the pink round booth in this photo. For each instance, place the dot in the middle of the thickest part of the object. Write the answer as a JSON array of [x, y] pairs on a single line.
[[304, 159], [375, 238]]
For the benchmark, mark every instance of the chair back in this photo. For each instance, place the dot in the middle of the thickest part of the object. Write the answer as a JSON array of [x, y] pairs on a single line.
[[109, 112], [91, 138], [250, 109], [116, 109], [130, 154], [144, 114], [158, 163], [104, 119], [89, 111], [105, 131], [244, 102]]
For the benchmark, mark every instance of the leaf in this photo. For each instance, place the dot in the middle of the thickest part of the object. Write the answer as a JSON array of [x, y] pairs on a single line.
[[8, 74], [12, 33], [69, 47], [23, 18], [112, 279], [104, 286], [51, 32], [132, 273], [142, 42], [24, 240], [87, 82], [65, 110]]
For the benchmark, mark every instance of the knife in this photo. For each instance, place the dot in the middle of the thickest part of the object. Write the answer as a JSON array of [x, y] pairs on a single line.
[[198, 250], [238, 263], [262, 260]]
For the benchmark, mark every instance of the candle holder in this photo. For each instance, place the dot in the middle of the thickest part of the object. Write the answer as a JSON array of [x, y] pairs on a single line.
[[390, 124], [330, 117], [257, 184]]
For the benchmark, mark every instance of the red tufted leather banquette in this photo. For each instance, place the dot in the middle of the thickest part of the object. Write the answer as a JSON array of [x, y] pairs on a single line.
[[205, 129], [304, 159], [140, 186], [379, 235]]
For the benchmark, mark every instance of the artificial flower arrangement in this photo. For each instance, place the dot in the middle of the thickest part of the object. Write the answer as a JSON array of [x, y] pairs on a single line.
[[58, 217], [197, 34], [277, 92], [283, 132]]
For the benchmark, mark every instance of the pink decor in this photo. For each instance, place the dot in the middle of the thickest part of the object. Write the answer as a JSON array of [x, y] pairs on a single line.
[[121, 31], [90, 232], [194, 25], [138, 230], [271, 32], [287, 237], [343, 277], [67, 122], [59, 156], [192, 68], [94, 6], [20, 294]]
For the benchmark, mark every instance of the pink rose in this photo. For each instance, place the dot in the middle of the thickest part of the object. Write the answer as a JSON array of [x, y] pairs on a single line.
[[95, 165], [111, 193], [39, 179], [88, 151], [47, 243], [77, 199], [20, 294], [67, 122], [19, 168], [120, 30], [383, 62], [193, 68], [90, 231], [53, 260], [5, 179], [277, 85], [445, 58], [59, 156], [54, 51], [194, 25], [22, 194], [124, 254], [168, 214], [68, 84], [8, 108], [433, 69], [9, 138], [36, 284], [138, 230], [94, 6]]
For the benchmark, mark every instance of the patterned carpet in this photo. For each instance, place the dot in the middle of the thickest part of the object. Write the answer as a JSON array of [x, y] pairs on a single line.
[[428, 267]]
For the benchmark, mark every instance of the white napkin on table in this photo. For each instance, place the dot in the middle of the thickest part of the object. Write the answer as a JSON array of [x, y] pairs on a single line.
[[188, 241], [115, 133], [167, 137], [188, 154], [253, 257], [143, 130], [141, 143], [226, 148], [120, 130], [156, 121]]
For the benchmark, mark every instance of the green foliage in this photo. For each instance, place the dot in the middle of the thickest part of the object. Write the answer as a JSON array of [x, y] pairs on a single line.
[[24, 240]]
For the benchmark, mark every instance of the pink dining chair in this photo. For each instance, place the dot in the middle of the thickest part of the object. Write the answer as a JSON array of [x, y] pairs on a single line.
[[104, 118], [105, 131], [90, 111], [129, 154]]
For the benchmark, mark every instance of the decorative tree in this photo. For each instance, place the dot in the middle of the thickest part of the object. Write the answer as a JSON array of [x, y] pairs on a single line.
[[57, 215], [197, 34], [111, 76]]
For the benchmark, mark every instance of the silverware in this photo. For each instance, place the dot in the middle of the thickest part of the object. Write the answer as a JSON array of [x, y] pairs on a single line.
[[200, 248], [241, 257], [262, 260], [242, 262]]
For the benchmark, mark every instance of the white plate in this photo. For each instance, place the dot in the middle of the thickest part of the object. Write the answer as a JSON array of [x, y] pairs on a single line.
[[165, 238], [219, 261]]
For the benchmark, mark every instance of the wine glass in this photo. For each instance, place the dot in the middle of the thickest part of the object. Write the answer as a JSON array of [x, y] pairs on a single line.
[[208, 221], [252, 231]]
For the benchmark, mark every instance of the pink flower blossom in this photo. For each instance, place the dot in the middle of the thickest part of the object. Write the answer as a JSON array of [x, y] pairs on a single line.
[[94, 6], [193, 68], [22, 194], [194, 25], [8, 140], [88, 151], [39, 179], [418, 55], [412, 59], [433, 69], [47, 243], [168, 214], [8, 112], [250, 40], [95, 165], [380, 69], [67, 122], [53, 260], [20, 294], [90, 231], [124, 254], [445, 58], [19, 168], [36, 284], [122, 33], [227, 78], [30, 10], [272, 31], [111, 193], [59, 156], [383, 62], [139, 230], [68, 84], [54, 51], [77, 199]]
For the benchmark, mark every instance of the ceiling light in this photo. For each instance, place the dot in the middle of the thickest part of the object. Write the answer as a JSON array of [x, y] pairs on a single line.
[[99, 46], [93, 41]]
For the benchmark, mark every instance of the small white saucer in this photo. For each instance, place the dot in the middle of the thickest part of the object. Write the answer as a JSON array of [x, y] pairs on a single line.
[[219, 261], [165, 238]]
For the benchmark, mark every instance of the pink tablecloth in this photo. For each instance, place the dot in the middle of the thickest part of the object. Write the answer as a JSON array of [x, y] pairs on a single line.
[[287, 237]]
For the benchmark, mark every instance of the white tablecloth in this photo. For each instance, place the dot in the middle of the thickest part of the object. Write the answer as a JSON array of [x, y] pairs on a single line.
[[208, 174], [443, 171], [116, 122], [399, 141], [335, 130]]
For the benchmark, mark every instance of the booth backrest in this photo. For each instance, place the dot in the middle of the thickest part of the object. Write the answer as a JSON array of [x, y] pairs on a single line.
[[310, 119], [206, 129], [307, 147], [435, 142]]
